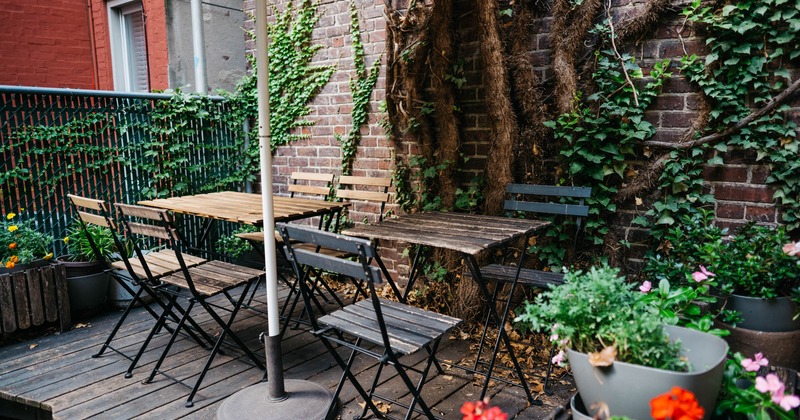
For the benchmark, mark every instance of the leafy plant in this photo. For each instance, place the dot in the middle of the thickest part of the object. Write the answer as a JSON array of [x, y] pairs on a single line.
[[744, 393], [598, 312], [80, 249], [21, 243], [235, 246]]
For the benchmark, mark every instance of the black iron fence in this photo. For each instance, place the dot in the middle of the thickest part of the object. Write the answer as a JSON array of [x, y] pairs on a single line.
[[108, 145]]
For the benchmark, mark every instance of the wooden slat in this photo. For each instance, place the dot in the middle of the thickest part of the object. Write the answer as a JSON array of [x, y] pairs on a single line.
[[89, 203], [309, 189], [148, 230], [34, 280], [374, 196], [527, 276], [143, 212], [326, 239], [95, 219], [62, 296], [49, 294], [549, 190], [365, 180], [20, 288], [312, 176], [7, 304], [547, 208], [341, 266]]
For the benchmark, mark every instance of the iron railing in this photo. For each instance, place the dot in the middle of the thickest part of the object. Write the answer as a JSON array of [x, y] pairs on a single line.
[[98, 153]]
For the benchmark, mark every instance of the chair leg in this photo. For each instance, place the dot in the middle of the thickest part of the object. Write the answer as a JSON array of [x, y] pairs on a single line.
[[417, 397], [349, 375], [170, 342], [374, 385], [156, 327], [339, 386], [107, 343], [431, 361], [486, 321], [546, 387]]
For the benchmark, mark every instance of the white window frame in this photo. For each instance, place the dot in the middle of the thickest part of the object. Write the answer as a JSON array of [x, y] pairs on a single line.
[[120, 59]]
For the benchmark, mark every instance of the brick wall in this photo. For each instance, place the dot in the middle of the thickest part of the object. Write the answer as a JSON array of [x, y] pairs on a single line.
[[739, 185], [45, 43]]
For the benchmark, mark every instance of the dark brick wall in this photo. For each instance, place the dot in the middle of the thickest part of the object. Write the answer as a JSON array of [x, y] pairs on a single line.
[[739, 185]]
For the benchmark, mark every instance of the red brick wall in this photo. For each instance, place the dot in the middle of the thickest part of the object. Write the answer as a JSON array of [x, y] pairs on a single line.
[[46, 43], [49, 44], [739, 186]]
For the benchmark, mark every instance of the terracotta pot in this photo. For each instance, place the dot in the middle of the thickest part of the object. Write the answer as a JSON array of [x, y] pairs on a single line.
[[627, 388]]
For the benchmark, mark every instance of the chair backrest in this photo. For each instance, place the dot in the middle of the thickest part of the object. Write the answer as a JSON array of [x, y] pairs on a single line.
[[302, 258], [92, 212], [307, 183], [153, 223], [522, 197], [363, 188]]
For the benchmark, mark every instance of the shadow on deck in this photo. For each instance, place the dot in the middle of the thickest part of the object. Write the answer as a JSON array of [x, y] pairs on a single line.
[[56, 377]]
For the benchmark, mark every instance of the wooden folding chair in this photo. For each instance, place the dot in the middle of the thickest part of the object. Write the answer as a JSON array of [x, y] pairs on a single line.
[[397, 329], [197, 285], [98, 213], [533, 199]]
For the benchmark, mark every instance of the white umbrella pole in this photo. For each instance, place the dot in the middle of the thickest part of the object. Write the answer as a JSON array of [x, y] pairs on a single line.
[[304, 399], [272, 342]]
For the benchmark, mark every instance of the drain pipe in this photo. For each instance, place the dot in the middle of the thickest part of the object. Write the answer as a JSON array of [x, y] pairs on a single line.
[[199, 44]]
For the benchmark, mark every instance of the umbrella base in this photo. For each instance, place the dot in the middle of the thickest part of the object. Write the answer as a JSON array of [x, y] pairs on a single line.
[[306, 400]]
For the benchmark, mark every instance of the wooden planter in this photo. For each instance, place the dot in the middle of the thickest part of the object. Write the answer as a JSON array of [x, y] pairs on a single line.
[[33, 296]]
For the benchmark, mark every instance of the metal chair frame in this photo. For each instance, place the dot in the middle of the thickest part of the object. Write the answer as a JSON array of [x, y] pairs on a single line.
[[398, 328]]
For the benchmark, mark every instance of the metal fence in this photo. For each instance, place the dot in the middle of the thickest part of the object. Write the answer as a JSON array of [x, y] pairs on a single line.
[[59, 141]]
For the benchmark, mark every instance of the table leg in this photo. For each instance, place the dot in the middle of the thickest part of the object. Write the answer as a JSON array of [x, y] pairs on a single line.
[[472, 264]]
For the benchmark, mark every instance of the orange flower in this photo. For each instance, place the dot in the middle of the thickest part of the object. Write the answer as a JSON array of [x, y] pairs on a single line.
[[14, 259], [12, 245], [10, 264], [678, 404]]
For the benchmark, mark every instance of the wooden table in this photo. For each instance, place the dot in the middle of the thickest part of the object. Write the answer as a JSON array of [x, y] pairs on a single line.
[[241, 207], [468, 234], [244, 207]]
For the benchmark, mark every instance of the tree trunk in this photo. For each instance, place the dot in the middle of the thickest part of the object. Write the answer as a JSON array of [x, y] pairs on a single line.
[[449, 142], [500, 110]]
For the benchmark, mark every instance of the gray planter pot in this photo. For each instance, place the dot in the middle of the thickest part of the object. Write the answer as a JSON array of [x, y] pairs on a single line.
[[771, 315], [627, 389]]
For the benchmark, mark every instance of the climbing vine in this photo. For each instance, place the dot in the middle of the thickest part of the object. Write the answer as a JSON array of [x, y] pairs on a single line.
[[293, 81], [361, 86]]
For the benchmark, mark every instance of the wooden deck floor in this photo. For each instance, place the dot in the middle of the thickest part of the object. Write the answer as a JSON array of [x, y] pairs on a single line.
[[57, 374]]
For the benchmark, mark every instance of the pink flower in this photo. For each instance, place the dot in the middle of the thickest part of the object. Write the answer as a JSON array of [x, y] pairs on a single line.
[[702, 275], [770, 384], [752, 365], [558, 359], [792, 248], [788, 402], [645, 287]]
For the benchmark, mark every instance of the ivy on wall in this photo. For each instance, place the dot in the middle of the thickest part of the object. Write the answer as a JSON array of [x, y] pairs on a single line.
[[361, 86]]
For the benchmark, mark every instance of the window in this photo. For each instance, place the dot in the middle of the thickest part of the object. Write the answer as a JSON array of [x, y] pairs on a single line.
[[128, 46]]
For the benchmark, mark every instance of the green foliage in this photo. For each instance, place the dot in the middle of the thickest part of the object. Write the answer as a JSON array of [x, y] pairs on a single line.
[[20, 242], [600, 136], [361, 87], [412, 183], [80, 249], [293, 81], [596, 309], [749, 41], [235, 246]]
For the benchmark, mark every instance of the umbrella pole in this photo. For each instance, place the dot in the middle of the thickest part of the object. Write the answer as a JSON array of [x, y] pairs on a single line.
[[304, 399]]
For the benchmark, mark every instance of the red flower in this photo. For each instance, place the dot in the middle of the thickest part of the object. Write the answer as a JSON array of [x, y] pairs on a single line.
[[678, 404], [12, 245], [480, 410]]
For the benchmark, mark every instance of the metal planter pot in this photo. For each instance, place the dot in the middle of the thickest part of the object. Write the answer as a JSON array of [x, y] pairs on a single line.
[[771, 315], [627, 389]]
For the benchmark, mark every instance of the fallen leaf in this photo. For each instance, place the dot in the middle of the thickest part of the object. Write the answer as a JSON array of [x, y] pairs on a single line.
[[639, 201], [32, 346], [82, 325], [603, 358]]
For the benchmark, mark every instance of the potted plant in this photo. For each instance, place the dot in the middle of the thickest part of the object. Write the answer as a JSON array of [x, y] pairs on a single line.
[[87, 274], [621, 353], [22, 246]]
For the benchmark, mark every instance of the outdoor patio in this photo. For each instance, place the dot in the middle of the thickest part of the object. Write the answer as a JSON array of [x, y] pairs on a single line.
[[57, 375]]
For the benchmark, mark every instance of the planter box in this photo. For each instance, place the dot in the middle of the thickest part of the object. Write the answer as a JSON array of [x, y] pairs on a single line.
[[627, 389], [30, 297]]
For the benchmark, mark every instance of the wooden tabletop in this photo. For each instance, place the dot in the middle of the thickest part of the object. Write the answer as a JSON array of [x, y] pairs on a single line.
[[466, 233], [243, 207]]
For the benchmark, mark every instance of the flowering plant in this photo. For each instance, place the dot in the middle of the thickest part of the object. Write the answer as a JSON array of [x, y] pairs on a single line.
[[79, 248], [746, 392], [481, 410], [20, 243], [677, 404], [599, 313]]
